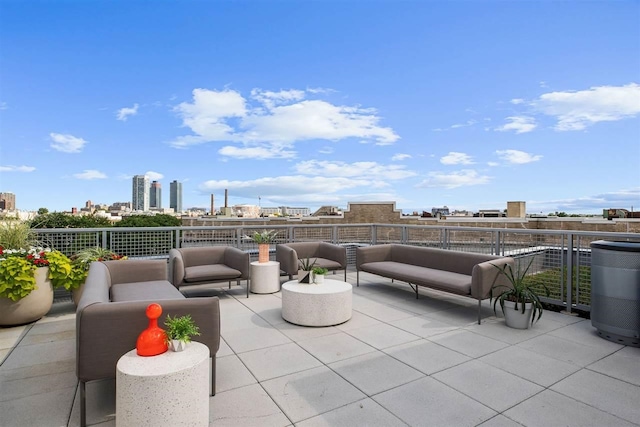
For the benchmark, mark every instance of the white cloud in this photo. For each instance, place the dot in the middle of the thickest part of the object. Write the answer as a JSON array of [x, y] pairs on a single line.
[[576, 110], [11, 168], [400, 156], [67, 143], [517, 157], [4, 105], [90, 174], [493, 164], [266, 151], [154, 176], [463, 178], [517, 101], [282, 118], [320, 90], [519, 124], [615, 199], [326, 150], [271, 99], [124, 113], [466, 124], [454, 158], [290, 187], [372, 171]]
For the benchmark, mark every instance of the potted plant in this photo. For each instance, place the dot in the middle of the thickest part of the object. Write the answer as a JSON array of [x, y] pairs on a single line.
[[179, 331], [263, 239], [82, 261], [318, 275], [520, 303], [27, 279], [28, 275], [305, 270]]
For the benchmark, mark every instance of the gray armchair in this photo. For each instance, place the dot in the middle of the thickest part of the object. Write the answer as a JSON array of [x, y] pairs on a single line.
[[207, 264], [111, 315], [327, 255]]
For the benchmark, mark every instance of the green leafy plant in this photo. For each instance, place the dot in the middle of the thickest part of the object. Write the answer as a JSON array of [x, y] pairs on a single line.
[[17, 278], [18, 268], [306, 264], [88, 255], [320, 270], [264, 236], [520, 292], [180, 328]]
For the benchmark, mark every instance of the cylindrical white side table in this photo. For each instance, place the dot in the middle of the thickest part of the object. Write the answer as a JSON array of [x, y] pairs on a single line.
[[169, 389], [316, 305], [265, 277]]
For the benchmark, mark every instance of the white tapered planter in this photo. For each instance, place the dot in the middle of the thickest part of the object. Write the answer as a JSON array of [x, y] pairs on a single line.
[[515, 318]]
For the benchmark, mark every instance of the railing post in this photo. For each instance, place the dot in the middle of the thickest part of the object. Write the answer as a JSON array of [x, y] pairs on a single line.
[[496, 244], [404, 235], [104, 239], [178, 235], [374, 234], [569, 281], [334, 234]]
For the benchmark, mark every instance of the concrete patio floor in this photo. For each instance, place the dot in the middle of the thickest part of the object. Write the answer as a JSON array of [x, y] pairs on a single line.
[[399, 361]]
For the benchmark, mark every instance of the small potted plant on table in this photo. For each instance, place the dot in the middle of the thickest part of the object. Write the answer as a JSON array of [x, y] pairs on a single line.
[[305, 270], [263, 239], [520, 303], [179, 331], [318, 275]]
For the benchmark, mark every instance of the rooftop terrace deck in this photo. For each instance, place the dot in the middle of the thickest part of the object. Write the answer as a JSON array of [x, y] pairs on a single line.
[[399, 361]]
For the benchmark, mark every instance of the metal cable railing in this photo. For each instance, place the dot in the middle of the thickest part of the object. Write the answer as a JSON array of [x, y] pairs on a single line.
[[562, 259]]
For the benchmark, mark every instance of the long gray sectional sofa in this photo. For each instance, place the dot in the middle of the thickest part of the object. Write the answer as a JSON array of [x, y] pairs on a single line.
[[462, 273], [112, 313]]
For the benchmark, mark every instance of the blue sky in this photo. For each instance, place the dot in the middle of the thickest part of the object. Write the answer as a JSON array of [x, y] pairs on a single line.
[[310, 103]]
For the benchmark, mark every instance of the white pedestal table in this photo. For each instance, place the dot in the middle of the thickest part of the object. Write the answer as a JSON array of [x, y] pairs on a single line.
[[169, 389], [316, 305], [265, 277]]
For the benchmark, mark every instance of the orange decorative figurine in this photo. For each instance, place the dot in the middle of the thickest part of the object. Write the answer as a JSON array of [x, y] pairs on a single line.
[[152, 341]]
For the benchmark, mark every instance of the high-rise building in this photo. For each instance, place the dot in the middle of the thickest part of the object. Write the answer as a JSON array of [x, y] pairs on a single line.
[[155, 195], [8, 201], [140, 193], [175, 196]]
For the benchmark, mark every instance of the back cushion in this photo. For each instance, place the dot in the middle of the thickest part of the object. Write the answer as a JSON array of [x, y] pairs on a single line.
[[203, 255]]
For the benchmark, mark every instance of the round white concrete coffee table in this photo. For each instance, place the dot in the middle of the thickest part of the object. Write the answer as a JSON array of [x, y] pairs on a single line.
[[265, 277], [171, 388], [316, 305]]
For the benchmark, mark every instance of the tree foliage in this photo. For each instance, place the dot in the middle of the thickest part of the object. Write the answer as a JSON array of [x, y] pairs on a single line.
[[161, 220], [63, 220]]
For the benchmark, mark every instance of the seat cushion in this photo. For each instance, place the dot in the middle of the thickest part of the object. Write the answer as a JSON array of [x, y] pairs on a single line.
[[200, 273], [438, 279], [142, 291], [327, 263]]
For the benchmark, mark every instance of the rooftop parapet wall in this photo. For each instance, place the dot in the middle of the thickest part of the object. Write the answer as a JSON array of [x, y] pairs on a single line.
[[386, 213]]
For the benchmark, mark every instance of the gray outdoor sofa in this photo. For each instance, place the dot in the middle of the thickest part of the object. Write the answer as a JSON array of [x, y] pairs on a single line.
[[462, 273], [112, 313], [326, 255]]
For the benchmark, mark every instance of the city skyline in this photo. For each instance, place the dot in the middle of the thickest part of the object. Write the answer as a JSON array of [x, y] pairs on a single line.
[[427, 104]]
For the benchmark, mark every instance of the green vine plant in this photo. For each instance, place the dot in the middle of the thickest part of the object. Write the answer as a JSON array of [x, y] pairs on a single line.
[[63, 273], [17, 278]]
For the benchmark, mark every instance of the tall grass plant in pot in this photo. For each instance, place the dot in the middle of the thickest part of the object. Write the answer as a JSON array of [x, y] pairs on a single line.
[[520, 303]]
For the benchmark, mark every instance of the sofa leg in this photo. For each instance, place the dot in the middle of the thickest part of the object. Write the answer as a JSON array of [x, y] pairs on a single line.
[[213, 375], [83, 404], [479, 314], [357, 278], [345, 274], [229, 284]]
